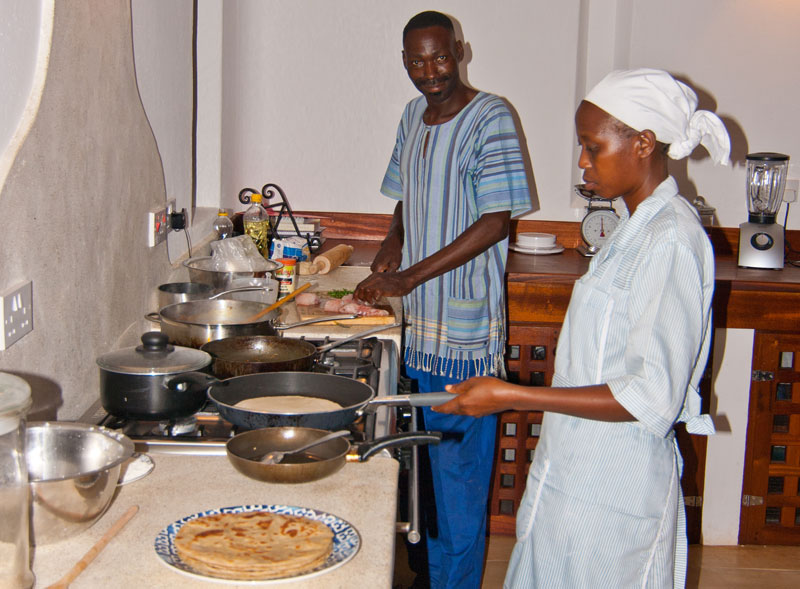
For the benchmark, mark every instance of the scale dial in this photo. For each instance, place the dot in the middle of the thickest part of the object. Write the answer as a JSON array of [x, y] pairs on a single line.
[[597, 226]]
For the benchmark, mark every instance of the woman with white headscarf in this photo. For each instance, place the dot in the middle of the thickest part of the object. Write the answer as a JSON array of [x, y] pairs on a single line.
[[603, 505]]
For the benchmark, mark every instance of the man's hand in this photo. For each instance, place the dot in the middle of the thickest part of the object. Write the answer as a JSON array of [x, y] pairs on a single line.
[[378, 284], [389, 257]]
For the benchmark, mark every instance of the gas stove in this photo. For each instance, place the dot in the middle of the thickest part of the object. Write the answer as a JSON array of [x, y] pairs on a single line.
[[369, 360]]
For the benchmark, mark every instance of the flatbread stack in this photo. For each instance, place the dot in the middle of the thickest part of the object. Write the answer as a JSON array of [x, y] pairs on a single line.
[[253, 545]]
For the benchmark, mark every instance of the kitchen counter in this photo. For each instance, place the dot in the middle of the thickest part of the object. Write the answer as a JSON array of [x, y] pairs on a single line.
[[364, 494]]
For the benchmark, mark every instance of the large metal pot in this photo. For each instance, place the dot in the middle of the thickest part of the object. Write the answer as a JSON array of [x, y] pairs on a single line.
[[73, 470], [200, 271], [195, 323], [354, 396], [246, 449], [249, 354], [155, 380]]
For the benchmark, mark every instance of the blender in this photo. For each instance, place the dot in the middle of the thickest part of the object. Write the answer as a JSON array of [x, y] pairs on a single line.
[[761, 238]]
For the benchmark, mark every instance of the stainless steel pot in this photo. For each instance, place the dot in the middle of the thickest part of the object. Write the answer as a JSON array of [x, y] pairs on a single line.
[[200, 271], [195, 323], [155, 380], [73, 471], [246, 449]]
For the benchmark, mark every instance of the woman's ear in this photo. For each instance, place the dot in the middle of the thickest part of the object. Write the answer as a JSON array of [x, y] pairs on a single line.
[[645, 143]]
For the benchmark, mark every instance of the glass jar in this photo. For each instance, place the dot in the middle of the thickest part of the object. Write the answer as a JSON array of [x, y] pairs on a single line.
[[15, 566]]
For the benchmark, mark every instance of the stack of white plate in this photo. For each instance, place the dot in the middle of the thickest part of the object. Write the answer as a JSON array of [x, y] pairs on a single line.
[[536, 243]]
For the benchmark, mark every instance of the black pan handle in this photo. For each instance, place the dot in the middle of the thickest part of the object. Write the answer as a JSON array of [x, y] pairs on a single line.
[[367, 449], [190, 381]]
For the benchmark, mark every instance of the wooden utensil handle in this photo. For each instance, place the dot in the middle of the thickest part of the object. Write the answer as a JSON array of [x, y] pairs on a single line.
[[81, 565], [279, 302]]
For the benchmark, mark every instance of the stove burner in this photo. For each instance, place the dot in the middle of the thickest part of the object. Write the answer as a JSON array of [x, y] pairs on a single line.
[[180, 427]]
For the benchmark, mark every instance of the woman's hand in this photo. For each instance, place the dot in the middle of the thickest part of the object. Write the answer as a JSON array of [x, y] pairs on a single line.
[[478, 396]]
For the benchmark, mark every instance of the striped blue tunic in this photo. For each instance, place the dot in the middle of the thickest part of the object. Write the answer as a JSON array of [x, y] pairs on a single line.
[[447, 176], [603, 505]]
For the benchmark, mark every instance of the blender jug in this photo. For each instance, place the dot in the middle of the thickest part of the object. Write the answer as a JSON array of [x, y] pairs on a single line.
[[15, 400], [761, 240], [766, 179]]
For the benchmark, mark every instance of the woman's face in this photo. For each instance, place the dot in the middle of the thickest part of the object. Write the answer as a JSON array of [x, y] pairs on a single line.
[[607, 157]]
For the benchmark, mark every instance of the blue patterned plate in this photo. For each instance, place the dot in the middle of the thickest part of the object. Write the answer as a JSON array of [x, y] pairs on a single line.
[[346, 542]]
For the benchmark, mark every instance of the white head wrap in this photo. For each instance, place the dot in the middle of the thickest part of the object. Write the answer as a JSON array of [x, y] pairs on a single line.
[[653, 99]]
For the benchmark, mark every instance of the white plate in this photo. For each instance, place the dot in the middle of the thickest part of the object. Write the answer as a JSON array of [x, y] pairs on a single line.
[[139, 466], [346, 542], [556, 249]]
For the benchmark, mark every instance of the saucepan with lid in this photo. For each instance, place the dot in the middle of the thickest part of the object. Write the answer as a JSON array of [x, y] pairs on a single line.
[[246, 451], [155, 380]]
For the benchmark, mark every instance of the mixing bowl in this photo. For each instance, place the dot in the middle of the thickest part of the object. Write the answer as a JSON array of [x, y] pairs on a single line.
[[73, 470]]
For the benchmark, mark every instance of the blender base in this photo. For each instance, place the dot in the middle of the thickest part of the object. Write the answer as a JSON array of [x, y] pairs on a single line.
[[761, 246]]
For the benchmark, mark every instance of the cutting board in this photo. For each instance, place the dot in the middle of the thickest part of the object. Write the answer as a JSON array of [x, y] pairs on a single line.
[[313, 312]]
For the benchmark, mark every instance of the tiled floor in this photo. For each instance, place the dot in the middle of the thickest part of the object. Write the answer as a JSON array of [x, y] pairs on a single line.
[[710, 567]]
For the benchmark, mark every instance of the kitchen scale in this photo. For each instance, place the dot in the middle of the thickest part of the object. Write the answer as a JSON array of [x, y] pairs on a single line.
[[761, 238], [598, 224]]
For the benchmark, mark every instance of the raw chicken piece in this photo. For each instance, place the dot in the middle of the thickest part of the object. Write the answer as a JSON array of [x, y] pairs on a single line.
[[364, 310], [348, 298], [307, 299], [332, 306]]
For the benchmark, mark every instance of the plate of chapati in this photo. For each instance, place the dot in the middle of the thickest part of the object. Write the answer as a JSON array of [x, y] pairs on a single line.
[[257, 544]]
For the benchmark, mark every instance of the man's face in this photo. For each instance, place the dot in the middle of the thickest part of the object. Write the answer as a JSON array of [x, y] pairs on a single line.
[[431, 58], [607, 154]]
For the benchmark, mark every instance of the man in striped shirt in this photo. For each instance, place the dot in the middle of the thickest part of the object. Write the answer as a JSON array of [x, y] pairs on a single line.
[[458, 174]]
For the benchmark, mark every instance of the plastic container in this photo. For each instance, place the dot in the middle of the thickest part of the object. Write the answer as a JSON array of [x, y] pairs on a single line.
[[223, 226], [287, 276], [256, 224], [15, 400]]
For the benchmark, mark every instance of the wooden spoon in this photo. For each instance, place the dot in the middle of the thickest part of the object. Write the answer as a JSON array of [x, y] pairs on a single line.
[[81, 565], [279, 302]]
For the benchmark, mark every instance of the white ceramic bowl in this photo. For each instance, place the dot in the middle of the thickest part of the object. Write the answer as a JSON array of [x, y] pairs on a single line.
[[536, 240]]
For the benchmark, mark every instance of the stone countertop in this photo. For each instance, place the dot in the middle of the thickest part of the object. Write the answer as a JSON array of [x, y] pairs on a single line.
[[364, 494]]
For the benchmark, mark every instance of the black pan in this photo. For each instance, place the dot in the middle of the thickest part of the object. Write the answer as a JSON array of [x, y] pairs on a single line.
[[249, 354], [354, 396]]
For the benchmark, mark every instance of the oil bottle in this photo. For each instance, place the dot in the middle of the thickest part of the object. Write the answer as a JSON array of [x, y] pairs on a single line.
[[256, 224]]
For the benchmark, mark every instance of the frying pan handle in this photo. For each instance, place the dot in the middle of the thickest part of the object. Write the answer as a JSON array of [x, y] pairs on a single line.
[[414, 400], [355, 336], [315, 320], [190, 381], [397, 440]]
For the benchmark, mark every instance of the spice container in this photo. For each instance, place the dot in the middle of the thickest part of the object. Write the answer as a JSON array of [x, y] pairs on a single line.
[[286, 276]]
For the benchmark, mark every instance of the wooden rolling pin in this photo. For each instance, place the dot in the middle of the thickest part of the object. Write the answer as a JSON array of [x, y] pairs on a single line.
[[328, 261]]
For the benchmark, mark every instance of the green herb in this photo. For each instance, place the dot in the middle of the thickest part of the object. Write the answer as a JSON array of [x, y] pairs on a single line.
[[338, 294]]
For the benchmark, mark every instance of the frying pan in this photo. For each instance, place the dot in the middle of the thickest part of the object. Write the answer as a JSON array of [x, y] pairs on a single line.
[[248, 354], [245, 450], [354, 396]]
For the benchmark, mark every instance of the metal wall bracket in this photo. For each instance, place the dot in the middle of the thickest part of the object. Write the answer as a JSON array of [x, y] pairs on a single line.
[[751, 500], [762, 375]]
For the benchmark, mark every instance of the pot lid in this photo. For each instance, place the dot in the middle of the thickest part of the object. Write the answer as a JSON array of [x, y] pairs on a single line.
[[155, 356]]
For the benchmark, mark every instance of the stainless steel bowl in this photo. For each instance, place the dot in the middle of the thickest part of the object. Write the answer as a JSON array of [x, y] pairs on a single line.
[[200, 271], [73, 469]]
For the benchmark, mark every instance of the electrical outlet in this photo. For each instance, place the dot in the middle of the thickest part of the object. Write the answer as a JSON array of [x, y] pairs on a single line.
[[791, 189], [17, 314], [158, 223]]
